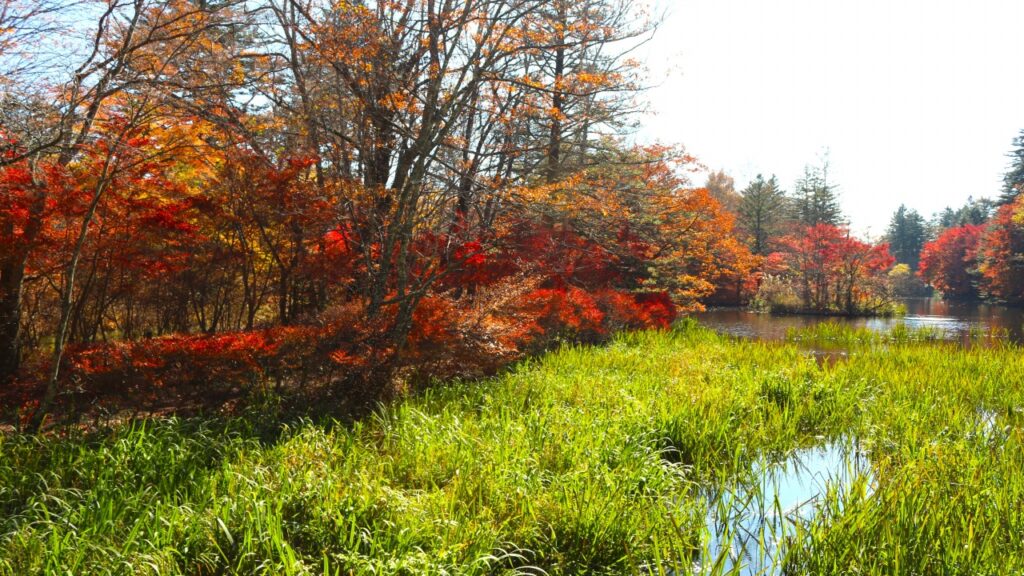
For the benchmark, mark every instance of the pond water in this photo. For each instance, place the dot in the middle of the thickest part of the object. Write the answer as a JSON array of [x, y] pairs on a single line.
[[955, 319], [747, 523]]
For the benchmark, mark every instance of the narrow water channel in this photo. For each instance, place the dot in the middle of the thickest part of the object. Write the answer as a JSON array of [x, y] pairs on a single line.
[[747, 523]]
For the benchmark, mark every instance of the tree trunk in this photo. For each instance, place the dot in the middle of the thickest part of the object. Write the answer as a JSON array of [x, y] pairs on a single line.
[[66, 301], [557, 101], [12, 276]]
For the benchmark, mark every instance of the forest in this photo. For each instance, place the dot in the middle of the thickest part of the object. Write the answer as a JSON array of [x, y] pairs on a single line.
[[210, 196], [222, 194], [217, 195]]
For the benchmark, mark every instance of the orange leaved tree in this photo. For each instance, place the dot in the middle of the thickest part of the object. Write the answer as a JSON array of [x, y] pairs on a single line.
[[949, 263]]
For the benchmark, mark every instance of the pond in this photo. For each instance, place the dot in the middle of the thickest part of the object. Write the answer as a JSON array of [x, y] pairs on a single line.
[[748, 522], [956, 319]]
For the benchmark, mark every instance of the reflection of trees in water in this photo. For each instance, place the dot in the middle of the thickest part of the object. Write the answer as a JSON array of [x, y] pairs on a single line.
[[958, 319]]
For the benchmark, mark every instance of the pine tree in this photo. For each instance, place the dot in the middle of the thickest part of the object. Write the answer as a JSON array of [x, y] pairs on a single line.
[[973, 212], [1013, 181], [815, 200], [761, 212], [907, 235]]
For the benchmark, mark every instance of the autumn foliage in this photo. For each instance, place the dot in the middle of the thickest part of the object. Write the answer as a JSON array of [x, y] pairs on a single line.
[[980, 261], [949, 262], [1001, 254], [357, 197], [228, 275], [826, 269]]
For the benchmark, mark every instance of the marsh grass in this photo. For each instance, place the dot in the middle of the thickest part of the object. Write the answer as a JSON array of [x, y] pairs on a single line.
[[831, 335], [584, 461]]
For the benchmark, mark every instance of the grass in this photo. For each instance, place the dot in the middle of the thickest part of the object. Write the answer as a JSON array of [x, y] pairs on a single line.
[[584, 461], [830, 335]]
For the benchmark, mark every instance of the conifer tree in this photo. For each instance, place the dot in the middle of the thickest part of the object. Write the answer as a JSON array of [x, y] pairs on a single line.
[[907, 235], [815, 200], [1013, 181], [761, 212]]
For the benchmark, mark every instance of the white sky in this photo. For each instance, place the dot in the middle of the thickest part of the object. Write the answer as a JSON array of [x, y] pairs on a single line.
[[917, 101]]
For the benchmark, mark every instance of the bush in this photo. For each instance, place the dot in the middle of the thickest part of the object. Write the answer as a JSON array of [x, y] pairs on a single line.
[[904, 283], [776, 293]]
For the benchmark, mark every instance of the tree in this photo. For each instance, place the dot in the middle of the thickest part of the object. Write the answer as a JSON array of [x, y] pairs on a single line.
[[406, 116], [1013, 181], [949, 263], [761, 213], [974, 212], [115, 90], [29, 117], [477, 98], [906, 236], [24, 212], [835, 271], [581, 79], [236, 185], [815, 200], [635, 224], [1001, 254], [722, 188], [905, 283]]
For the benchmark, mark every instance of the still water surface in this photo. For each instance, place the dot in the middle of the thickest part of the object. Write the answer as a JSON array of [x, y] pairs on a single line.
[[747, 524], [955, 319]]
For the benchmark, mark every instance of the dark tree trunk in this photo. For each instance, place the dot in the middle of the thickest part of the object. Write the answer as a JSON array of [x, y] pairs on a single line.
[[554, 151], [555, 138], [12, 275]]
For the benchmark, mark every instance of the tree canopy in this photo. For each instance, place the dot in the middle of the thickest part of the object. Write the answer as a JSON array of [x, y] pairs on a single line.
[[762, 212], [906, 235], [1013, 181]]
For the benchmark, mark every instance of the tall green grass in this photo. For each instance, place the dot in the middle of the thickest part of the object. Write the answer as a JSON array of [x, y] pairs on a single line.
[[585, 461], [944, 430]]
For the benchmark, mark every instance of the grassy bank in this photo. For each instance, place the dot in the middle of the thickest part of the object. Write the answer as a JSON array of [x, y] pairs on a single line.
[[588, 460]]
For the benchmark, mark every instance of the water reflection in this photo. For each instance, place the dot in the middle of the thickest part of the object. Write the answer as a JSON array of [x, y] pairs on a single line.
[[955, 319], [747, 523], [828, 357]]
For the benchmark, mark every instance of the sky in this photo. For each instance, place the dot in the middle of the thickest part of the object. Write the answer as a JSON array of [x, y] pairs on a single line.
[[915, 102]]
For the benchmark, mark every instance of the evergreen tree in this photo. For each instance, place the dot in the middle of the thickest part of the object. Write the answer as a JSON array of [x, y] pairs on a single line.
[[973, 212], [907, 235], [762, 209], [1013, 181], [815, 200]]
